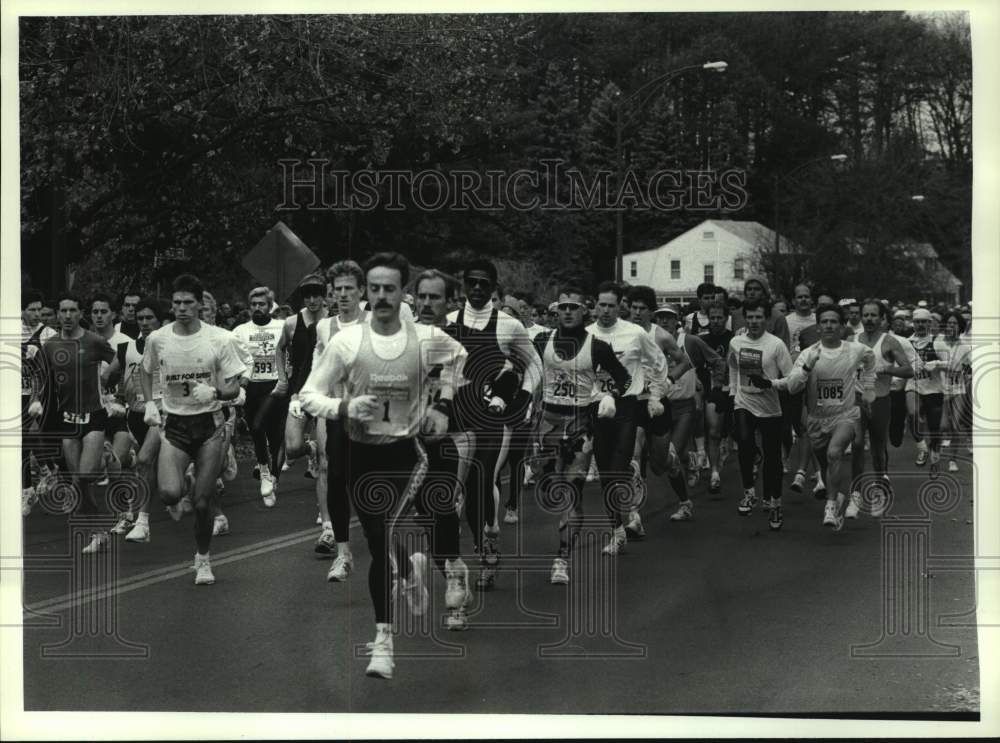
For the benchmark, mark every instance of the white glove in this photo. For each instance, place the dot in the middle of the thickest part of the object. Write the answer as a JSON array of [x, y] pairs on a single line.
[[362, 408], [606, 408], [435, 423], [654, 407], [35, 409], [204, 393], [152, 415], [295, 408], [497, 405], [115, 409]]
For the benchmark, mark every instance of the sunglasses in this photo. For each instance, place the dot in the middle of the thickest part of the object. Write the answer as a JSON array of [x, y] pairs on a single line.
[[480, 283], [568, 306]]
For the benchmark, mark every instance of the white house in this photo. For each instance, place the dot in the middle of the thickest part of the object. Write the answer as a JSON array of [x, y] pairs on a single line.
[[720, 251]]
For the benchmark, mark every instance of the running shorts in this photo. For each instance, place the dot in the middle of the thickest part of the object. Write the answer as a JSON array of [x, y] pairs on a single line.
[[76, 426], [189, 432], [821, 429]]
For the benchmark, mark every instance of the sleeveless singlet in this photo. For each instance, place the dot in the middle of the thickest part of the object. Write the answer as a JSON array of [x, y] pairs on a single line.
[[833, 381], [130, 387], [396, 383], [569, 382], [301, 352]]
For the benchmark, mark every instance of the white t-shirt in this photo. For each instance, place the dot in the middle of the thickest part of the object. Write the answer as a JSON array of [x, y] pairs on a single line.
[[211, 355], [766, 356], [636, 351], [796, 324]]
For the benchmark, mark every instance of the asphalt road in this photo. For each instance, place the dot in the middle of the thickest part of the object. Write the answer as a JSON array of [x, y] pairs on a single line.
[[716, 615]]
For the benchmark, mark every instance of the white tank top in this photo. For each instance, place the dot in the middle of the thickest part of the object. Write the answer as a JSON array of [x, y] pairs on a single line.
[[833, 381], [397, 385], [262, 342], [958, 357], [683, 388], [131, 386], [571, 382]]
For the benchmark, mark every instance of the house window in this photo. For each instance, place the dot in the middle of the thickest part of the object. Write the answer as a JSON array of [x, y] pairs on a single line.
[[709, 273], [738, 269], [675, 269], [633, 269], [707, 235]]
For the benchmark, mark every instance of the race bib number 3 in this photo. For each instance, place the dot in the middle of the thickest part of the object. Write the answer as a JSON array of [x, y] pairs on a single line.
[[829, 391]]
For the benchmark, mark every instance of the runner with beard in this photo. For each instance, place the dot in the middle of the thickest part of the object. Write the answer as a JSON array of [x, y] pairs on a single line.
[[502, 372], [265, 404]]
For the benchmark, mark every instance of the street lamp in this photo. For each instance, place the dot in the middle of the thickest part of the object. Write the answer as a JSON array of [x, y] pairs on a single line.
[[718, 66], [838, 158]]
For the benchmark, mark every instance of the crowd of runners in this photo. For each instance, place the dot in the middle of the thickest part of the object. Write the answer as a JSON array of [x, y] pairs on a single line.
[[447, 399]]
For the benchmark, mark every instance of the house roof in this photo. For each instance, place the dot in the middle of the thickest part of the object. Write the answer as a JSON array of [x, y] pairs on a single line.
[[754, 234]]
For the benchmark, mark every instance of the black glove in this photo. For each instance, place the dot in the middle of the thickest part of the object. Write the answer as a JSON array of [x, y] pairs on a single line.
[[761, 383]]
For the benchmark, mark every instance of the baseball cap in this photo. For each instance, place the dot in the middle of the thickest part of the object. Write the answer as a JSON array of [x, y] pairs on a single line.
[[313, 279], [922, 303], [901, 313], [553, 307], [921, 314], [667, 309]]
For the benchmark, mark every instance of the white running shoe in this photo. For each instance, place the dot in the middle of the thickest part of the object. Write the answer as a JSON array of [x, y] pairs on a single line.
[[381, 663], [104, 480], [529, 474], [830, 514], [457, 594], [819, 490], [124, 524], [854, 507], [267, 487], [203, 568], [220, 526], [592, 474], [285, 466], [560, 572], [29, 498], [952, 465], [98, 543], [319, 519], [617, 544], [798, 482], [634, 527], [341, 569], [683, 512], [139, 533], [510, 517], [946, 443]]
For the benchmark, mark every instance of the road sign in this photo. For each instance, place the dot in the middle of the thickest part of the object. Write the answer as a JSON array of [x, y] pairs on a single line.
[[280, 260]]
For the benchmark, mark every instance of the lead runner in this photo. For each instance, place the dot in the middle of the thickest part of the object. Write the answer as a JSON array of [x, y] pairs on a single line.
[[383, 369]]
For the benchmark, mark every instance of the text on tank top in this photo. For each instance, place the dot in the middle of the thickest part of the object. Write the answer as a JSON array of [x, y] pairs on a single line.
[[573, 381], [130, 363], [262, 341], [832, 383], [395, 383]]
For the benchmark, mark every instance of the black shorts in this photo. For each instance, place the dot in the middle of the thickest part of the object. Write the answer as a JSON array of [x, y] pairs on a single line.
[[190, 432], [116, 425], [76, 427], [658, 426], [137, 426]]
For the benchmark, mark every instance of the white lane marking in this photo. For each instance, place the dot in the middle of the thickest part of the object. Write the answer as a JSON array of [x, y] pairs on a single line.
[[152, 577]]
